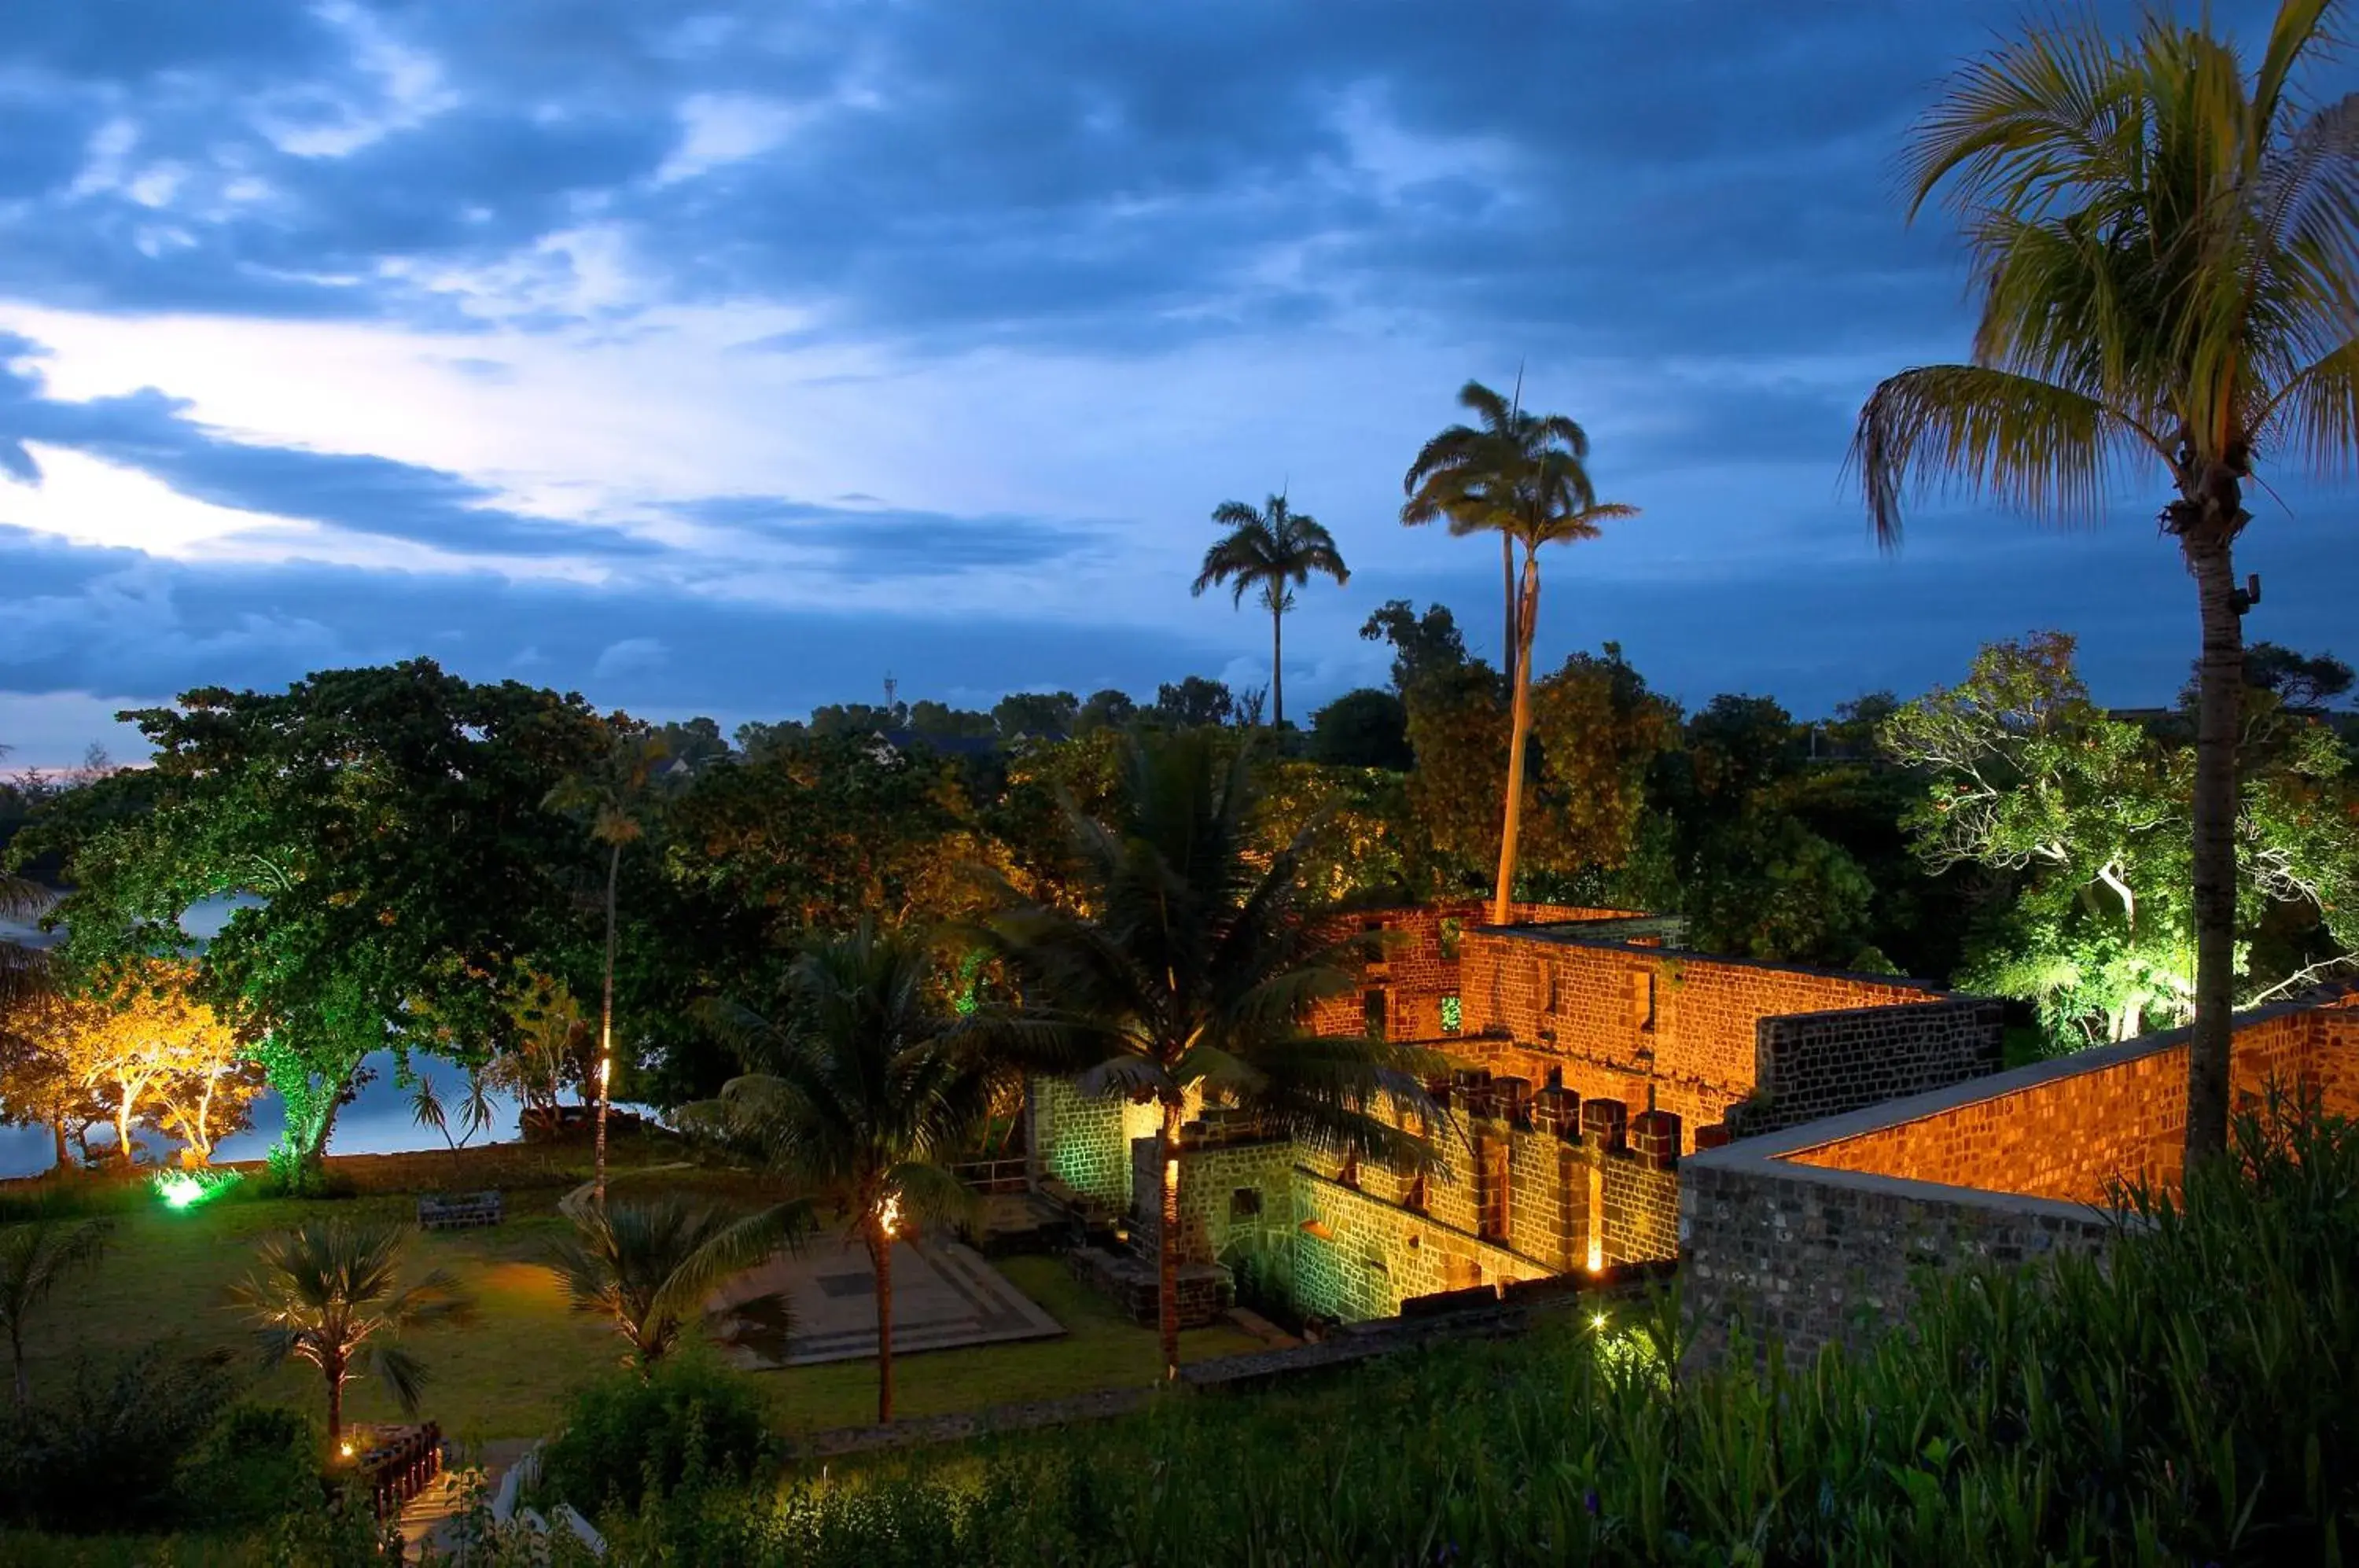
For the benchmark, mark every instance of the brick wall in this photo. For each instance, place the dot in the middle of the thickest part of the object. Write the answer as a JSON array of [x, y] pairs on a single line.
[[2069, 1129], [1213, 1217], [1422, 962], [1084, 1142], [1813, 1257], [1624, 1021], [1362, 1257], [1821, 1064]]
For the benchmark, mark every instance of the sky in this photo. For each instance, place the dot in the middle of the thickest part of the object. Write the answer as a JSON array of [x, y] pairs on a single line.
[[730, 358]]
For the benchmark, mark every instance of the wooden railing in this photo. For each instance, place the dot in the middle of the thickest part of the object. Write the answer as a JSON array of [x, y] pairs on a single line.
[[395, 1463], [989, 1176]]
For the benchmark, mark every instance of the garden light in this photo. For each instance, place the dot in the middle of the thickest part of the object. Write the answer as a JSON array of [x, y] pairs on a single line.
[[187, 1189]]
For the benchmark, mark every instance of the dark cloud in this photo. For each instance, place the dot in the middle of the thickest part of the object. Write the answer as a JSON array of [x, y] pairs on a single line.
[[869, 543], [115, 621], [150, 432]]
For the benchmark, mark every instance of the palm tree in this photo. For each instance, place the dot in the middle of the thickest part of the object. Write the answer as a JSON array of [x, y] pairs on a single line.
[[862, 1098], [1274, 549], [2165, 243], [1194, 972], [1524, 476], [613, 796], [651, 1267], [34, 1258], [329, 1292]]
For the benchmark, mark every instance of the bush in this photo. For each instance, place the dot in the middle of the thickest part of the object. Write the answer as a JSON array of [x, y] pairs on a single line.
[[104, 1453], [258, 1461], [691, 1423]]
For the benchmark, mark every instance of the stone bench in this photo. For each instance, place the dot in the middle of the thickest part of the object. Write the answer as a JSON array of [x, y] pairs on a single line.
[[459, 1211]]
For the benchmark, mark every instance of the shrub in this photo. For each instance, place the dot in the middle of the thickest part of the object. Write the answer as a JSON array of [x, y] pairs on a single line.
[[103, 1454], [690, 1422], [258, 1461]]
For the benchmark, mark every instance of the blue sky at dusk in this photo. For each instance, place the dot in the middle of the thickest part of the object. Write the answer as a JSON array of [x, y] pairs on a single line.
[[722, 358]]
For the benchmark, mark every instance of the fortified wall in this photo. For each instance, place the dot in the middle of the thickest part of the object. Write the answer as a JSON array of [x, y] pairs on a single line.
[[1591, 1054], [1811, 1233]]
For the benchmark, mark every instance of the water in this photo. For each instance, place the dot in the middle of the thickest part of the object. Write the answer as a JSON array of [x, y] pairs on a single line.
[[378, 1122]]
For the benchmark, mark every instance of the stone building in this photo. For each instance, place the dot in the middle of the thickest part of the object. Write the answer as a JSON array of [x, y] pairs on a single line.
[[1589, 1053]]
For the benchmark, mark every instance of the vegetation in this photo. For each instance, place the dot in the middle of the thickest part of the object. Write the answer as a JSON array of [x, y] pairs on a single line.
[[35, 1257], [862, 1101], [649, 1266], [1274, 549], [330, 1293], [2165, 237], [1525, 477], [624, 1437]]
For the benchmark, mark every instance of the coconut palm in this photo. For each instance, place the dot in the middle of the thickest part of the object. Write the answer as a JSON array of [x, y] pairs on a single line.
[[1195, 971], [613, 798], [1274, 549], [34, 1258], [862, 1097], [330, 1292], [1525, 477], [651, 1267], [2164, 234]]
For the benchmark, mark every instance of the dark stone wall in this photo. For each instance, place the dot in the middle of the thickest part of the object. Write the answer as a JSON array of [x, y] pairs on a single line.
[[1823, 1065]]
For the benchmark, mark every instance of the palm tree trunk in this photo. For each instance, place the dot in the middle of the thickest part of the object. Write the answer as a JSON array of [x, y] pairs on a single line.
[[1508, 572], [1519, 723], [1278, 663], [607, 1019], [1166, 1243], [2220, 693], [880, 1258], [335, 1407], [17, 1351]]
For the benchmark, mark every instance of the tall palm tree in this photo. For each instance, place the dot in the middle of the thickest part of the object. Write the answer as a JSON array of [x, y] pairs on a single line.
[[1274, 549], [2164, 236], [651, 1267], [330, 1292], [1195, 971], [1524, 476], [35, 1258], [862, 1097], [614, 797]]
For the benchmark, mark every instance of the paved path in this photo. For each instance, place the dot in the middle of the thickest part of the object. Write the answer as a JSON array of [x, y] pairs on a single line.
[[433, 1514]]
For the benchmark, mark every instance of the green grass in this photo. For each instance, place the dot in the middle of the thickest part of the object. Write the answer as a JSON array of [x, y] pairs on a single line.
[[506, 1374]]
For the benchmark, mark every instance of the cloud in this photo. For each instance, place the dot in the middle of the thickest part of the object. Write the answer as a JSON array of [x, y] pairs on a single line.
[[628, 657], [150, 432]]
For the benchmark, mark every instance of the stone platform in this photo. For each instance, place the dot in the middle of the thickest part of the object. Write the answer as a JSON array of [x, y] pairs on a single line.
[[944, 1295]]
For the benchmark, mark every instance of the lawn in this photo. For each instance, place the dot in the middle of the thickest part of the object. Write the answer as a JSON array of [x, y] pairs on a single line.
[[506, 1374]]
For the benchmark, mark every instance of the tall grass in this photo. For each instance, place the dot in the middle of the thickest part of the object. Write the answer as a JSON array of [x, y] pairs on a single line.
[[2191, 1397]]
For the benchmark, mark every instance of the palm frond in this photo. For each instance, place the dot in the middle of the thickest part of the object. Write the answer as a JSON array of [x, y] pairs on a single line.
[[1965, 428]]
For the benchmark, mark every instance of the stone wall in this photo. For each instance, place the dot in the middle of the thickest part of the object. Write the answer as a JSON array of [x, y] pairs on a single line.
[[1421, 963], [2071, 1129], [1645, 1024], [1357, 1257], [1236, 1193], [1812, 1233], [1821, 1064], [1816, 1257], [1082, 1142]]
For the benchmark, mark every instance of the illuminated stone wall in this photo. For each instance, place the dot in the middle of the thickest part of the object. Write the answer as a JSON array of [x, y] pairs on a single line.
[[1620, 1020], [1813, 1232], [1082, 1142], [2071, 1129], [1421, 963]]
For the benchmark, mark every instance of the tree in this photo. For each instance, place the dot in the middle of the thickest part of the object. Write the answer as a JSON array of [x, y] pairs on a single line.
[[43, 1086], [614, 797], [1042, 714], [330, 1292], [1106, 710], [939, 721], [2164, 242], [473, 1110], [1366, 728], [145, 1040], [1525, 477], [1274, 550], [862, 1097], [388, 831], [1423, 644], [1194, 704], [35, 1258], [1193, 973], [649, 1268], [2026, 775]]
